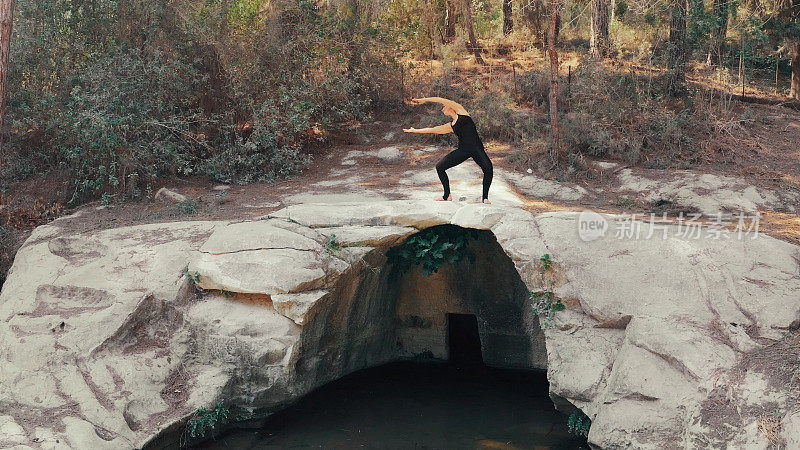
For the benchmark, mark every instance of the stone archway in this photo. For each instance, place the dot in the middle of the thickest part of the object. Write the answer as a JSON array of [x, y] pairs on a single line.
[[373, 315]]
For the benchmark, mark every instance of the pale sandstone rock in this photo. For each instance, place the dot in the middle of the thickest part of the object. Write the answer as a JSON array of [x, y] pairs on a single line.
[[296, 306], [707, 193], [390, 154], [790, 429], [362, 236], [241, 236], [270, 271], [666, 343], [165, 195], [11, 432], [536, 187]]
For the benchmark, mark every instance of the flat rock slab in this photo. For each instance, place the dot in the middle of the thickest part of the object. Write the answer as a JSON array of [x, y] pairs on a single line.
[[271, 271], [241, 236], [540, 188], [361, 236], [417, 214]]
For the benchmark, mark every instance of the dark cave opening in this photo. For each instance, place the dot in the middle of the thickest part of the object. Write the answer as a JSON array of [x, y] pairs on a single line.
[[405, 405], [464, 341]]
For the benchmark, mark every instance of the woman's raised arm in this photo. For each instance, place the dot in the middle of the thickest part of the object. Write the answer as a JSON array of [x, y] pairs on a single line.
[[457, 107], [441, 129]]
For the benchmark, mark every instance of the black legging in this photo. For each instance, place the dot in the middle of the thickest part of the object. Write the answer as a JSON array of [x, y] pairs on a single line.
[[458, 156]]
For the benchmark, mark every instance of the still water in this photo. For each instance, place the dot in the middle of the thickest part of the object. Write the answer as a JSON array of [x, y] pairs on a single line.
[[413, 406]]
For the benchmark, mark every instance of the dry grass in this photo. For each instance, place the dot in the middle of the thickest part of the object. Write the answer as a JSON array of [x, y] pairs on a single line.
[[770, 427]]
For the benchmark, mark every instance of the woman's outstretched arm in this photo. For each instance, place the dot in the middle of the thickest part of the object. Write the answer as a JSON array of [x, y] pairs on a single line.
[[459, 109], [441, 129]]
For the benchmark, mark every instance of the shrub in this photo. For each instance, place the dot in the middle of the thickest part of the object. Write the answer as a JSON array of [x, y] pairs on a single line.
[[623, 116], [497, 120], [332, 244], [127, 118], [534, 87], [118, 94]]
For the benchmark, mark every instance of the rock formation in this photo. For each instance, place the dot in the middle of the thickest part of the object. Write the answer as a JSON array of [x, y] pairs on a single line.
[[113, 339]]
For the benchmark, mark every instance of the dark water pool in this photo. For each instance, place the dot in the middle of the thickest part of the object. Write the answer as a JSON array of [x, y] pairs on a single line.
[[413, 406]]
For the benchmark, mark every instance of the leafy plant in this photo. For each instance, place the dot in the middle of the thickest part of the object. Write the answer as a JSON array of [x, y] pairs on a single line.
[[332, 245], [193, 277], [203, 419], [545, 303], [579, 423], [547, 263], [106, 198], [545, 306], [432, 248], [222, 197], [188, 207]]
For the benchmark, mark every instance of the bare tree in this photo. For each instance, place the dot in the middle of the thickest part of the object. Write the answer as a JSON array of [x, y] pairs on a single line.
[[508, 22], [552, 35], [788, 13], [533, 13], [677, 45], [450, 18], [6, 23], [473, 42], [794, 50], [718, 32], [598, 43]]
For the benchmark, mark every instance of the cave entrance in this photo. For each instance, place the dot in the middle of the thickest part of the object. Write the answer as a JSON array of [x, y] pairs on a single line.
[[464, 340]]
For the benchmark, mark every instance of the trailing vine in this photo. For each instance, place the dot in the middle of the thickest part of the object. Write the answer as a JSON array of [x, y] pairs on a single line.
[[432, 248]]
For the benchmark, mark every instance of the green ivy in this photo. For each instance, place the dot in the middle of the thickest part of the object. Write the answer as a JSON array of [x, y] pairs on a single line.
[[432, 248], [579, 423], [203, 419]]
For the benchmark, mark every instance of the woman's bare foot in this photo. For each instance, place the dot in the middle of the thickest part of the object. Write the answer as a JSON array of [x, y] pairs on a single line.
[[485, 201], [449, 198]]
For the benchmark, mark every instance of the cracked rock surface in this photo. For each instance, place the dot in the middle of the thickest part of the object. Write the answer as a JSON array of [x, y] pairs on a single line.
[[665, 343]]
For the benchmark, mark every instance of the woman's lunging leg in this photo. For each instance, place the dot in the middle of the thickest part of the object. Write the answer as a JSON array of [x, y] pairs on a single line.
[[488, 171], [452, 159]]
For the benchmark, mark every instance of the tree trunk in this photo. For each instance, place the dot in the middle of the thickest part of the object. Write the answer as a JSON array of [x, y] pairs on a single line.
[[718, 32], [677, 46], [508, 22], [6, 22], [533, 13], [612, 11], [552, 35], [598, 43], [473, 43], [450, 18], [794, 49]]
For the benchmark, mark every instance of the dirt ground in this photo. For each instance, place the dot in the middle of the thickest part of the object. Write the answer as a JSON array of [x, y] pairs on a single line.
[[377, 161]]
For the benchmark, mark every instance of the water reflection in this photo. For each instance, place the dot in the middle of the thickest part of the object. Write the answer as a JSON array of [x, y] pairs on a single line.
[[413, 406]]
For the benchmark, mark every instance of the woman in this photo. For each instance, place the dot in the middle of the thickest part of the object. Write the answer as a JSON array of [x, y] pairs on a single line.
[[469, 143]]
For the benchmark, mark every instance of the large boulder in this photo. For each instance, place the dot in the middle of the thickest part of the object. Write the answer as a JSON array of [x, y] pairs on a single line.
[[113, 339]]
